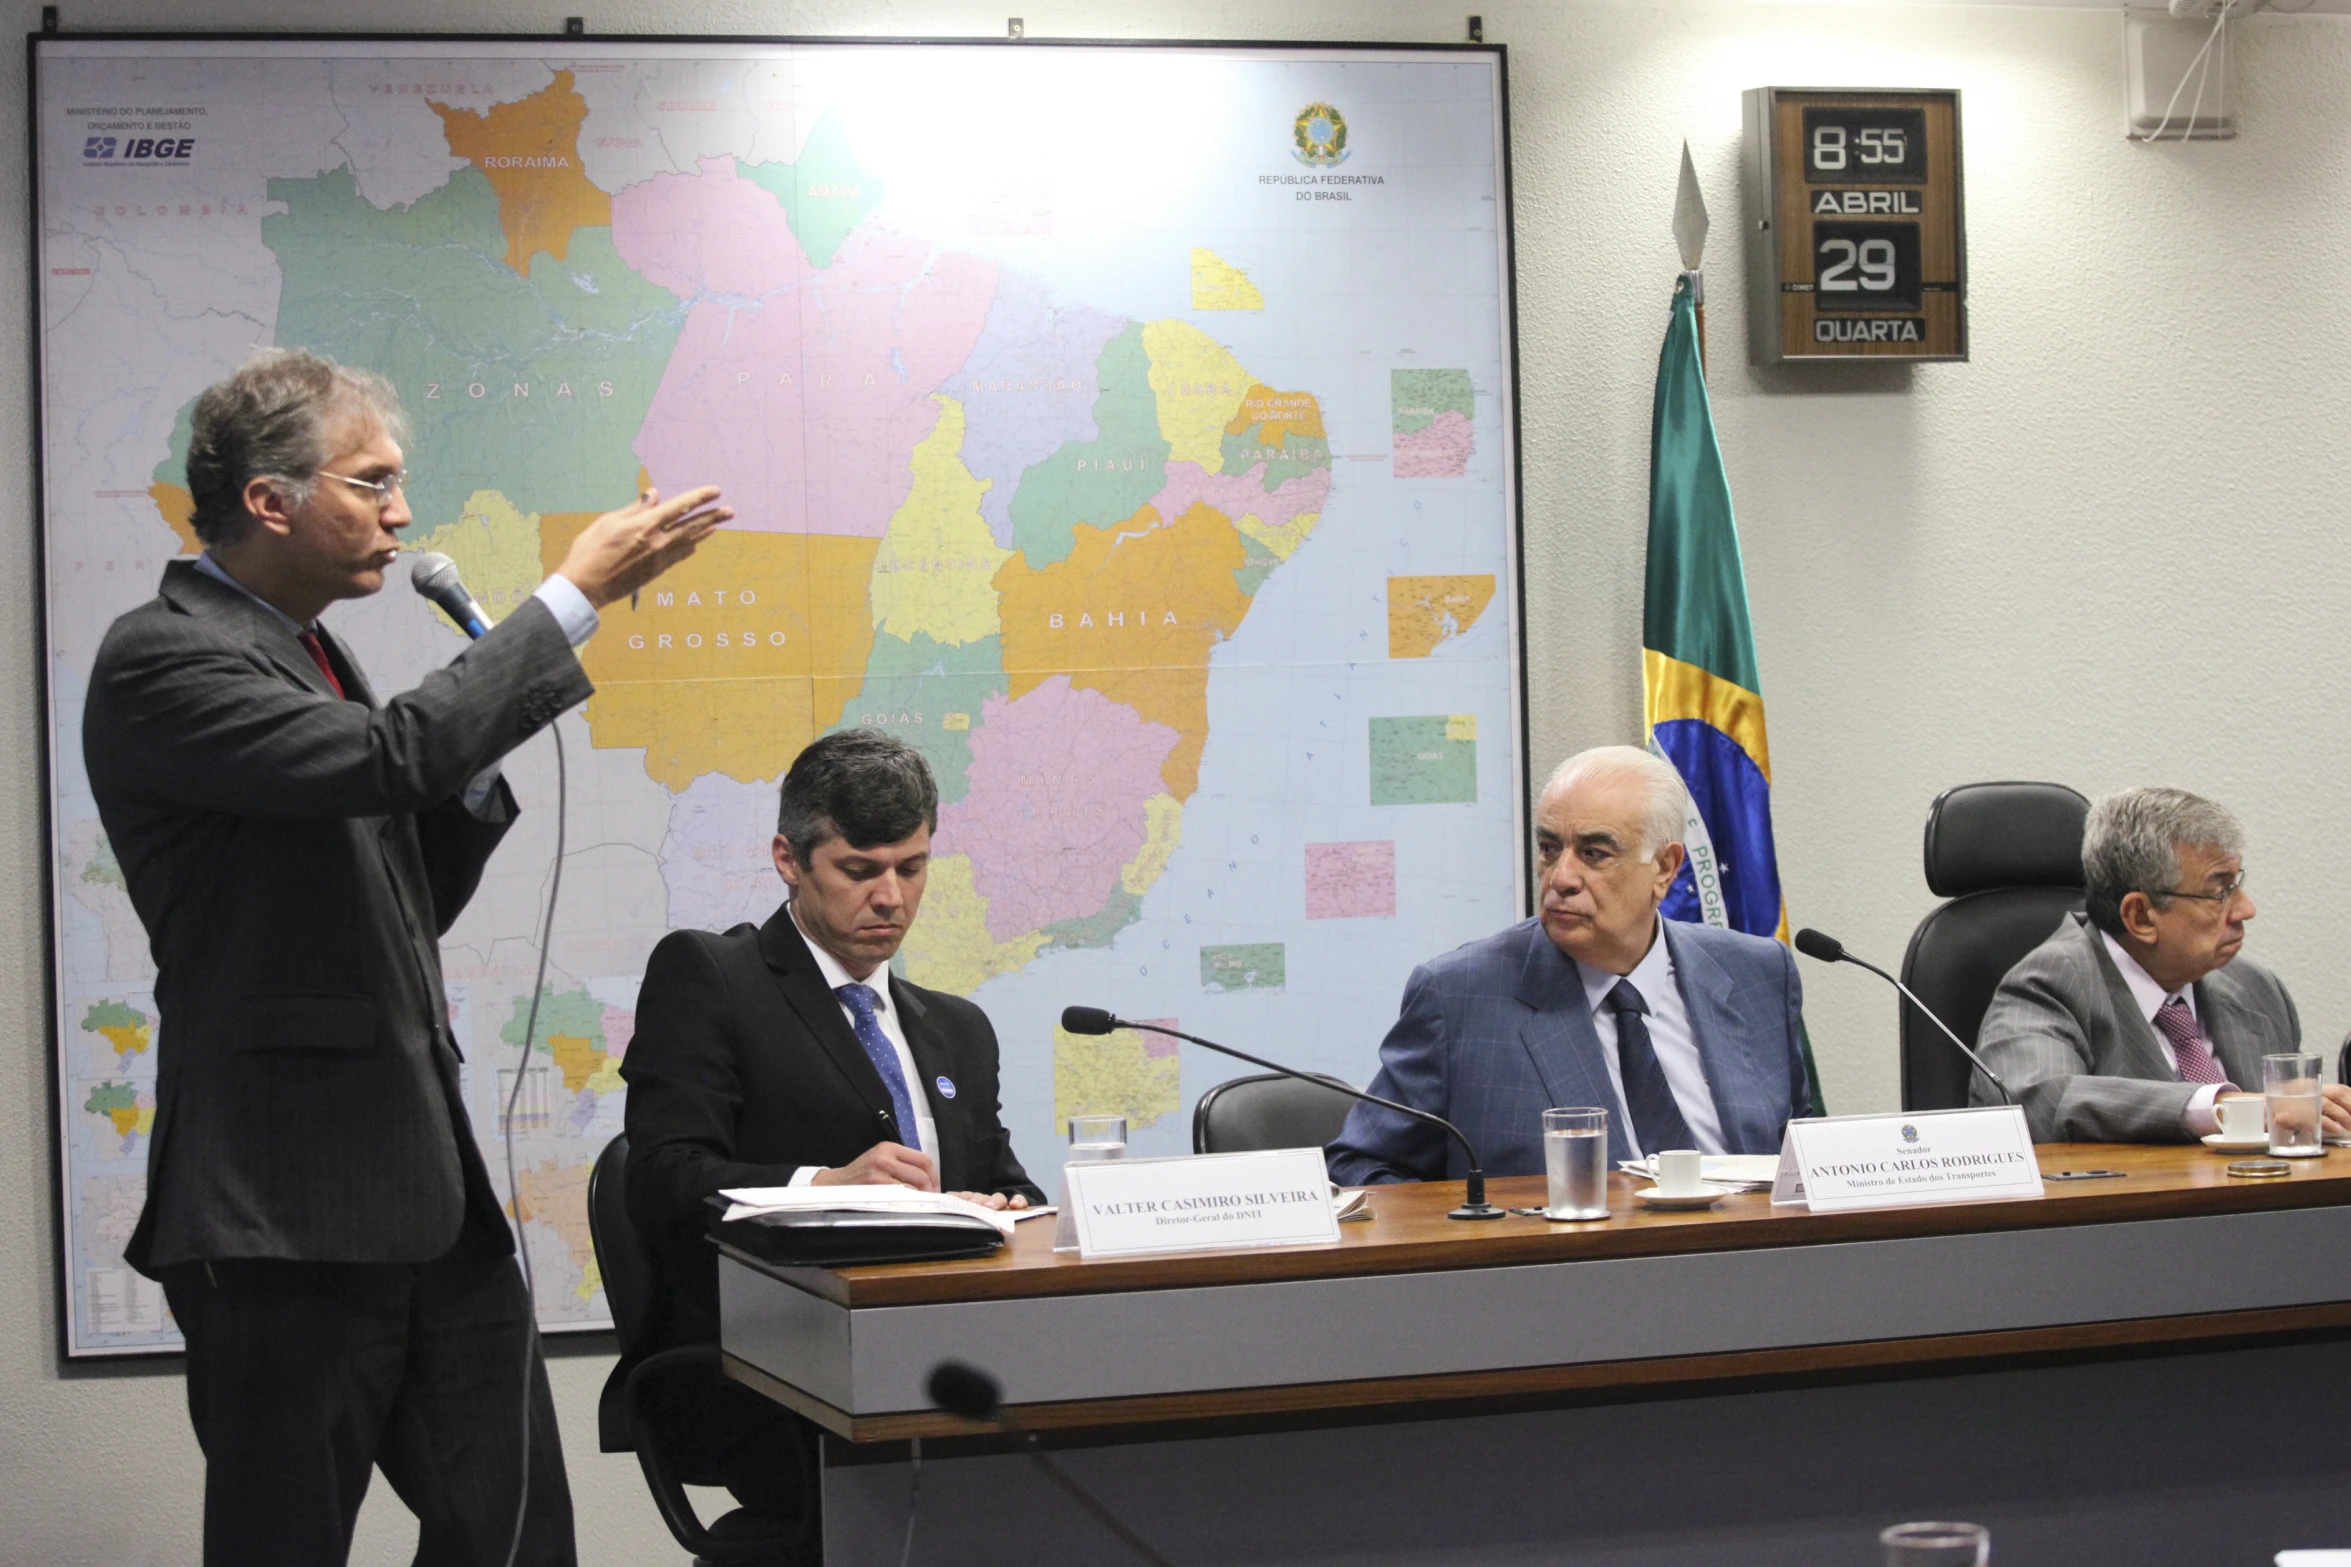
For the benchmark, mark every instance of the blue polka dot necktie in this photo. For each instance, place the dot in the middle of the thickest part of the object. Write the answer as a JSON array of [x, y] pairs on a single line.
[[860, 1000]]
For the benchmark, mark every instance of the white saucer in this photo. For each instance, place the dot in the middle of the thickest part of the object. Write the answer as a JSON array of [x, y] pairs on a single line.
[[1704, 1197], [2221, 1143]]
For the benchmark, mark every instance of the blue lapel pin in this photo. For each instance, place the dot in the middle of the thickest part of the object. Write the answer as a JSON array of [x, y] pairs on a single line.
[[946, 1087]]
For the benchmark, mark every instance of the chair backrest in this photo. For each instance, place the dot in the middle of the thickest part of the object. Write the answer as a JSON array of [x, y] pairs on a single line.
[[2008, 856], [621, 1258], [1267, 1111]]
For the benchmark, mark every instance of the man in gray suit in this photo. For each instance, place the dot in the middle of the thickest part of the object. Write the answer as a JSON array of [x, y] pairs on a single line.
[[1689, 1035], [317, 1212], [2131, 1019]]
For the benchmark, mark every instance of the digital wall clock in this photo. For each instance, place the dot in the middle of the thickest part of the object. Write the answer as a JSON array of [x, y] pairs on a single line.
[[1856, 245]]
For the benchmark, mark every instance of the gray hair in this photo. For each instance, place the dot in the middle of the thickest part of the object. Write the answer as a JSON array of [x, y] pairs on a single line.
[[860, 785], [274, 419], [2132, 843], [1666, 803]]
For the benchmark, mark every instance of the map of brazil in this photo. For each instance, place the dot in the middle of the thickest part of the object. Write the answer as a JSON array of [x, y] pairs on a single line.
[[1155, 485]]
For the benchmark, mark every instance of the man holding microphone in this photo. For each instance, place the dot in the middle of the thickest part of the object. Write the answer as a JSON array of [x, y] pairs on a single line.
[[317, 1211]]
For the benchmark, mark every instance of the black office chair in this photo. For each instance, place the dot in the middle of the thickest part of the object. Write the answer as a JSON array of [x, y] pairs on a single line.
[[621, 1414], [1267, 1111], [2009, 857]]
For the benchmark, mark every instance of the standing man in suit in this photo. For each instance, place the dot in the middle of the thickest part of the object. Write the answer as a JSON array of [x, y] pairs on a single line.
[[1689, 1035], [317, 1212], [787, 1054], [2132, 1018]]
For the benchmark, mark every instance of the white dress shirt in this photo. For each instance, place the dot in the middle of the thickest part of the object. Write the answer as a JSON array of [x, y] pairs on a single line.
[[1669, 1036], [2198, 1119], [885, 1012], [563, 599]]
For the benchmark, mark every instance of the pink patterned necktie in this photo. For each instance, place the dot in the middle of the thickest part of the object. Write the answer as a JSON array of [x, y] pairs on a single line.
[[2188, 1043]]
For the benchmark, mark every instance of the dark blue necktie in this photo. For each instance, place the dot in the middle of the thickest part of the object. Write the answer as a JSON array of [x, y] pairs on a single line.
[[1648, 1097], [884, 1056]]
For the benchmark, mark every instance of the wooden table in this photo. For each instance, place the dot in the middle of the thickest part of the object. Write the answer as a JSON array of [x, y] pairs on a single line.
[[1416, 1317]]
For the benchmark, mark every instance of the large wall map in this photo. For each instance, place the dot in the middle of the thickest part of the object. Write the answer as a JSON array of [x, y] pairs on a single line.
[[1128, 428]]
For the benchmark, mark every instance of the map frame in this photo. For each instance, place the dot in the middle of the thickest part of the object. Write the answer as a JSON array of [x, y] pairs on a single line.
[[634, 47]]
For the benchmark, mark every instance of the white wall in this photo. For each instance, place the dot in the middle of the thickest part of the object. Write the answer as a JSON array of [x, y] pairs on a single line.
[[2107, 552]]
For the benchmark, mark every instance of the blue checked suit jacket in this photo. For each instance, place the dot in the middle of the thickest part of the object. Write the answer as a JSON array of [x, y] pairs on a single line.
[[1494, 1033]]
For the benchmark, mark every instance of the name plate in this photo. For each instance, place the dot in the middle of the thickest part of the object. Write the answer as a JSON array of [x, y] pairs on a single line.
[[1206, 1202], [1838, 1162]]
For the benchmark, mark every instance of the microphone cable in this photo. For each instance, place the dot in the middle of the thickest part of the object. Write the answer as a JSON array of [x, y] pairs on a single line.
[[435, 577], [522, 1244], [913, 1505]]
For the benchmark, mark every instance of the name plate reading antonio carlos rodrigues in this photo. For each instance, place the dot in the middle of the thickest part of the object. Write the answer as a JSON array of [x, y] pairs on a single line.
[[1209, 1202], [1834, 1163]]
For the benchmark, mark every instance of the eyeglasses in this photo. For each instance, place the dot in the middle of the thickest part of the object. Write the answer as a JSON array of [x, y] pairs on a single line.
[[382, 489], [2225, 896]]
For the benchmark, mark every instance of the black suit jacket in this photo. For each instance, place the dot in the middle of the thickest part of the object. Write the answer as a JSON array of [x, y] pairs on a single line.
[[743, 1069], [295, 857]]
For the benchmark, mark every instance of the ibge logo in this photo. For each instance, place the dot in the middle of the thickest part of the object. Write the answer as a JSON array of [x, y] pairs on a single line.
[[147, 150]]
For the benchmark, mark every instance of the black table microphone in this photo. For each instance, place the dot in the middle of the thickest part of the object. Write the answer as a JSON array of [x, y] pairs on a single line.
[[971, 1394], [1093, 1020], [1828, 949]]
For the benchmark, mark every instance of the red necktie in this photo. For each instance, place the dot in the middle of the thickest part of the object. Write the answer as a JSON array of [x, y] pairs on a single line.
[[316, 646]]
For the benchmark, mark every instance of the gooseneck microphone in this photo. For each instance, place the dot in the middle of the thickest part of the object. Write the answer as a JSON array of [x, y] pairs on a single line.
[[972, 1394], [435, 576], [1093, 1020], [1828, 949]]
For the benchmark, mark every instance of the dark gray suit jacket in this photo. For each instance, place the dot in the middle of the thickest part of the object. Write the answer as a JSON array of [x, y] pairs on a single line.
[[2065, 1035], [295, 858], [1495, 1033]]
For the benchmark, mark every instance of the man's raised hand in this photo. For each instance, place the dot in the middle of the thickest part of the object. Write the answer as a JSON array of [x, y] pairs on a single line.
[[626, 548]]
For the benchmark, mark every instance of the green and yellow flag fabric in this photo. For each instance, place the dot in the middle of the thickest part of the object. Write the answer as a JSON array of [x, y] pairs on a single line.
[[1702, 695]]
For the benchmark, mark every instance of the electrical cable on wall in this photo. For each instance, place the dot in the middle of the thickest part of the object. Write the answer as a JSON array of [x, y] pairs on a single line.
[[2200, 67]]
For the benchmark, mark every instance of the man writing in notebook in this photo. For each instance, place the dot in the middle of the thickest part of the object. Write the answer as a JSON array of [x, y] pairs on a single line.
[[787, 1053]]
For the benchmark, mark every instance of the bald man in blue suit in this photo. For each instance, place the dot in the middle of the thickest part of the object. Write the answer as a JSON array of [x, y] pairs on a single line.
[[1689, 1035]]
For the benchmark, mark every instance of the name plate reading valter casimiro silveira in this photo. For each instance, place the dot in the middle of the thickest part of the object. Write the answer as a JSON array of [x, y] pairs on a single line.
[[1209, 1202], [1890, 1161]]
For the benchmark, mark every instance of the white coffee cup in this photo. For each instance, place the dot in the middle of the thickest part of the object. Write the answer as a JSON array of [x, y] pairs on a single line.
[[1678, 1173], [2241, 1116]]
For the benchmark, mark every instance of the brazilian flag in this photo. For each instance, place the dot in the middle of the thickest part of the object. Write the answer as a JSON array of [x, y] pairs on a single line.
[[1702, 697]]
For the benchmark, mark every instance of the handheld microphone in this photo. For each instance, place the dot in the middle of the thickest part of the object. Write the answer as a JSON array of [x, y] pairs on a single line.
[[1828, 949], [1093, 1020], [971, 1394], [434, 575]]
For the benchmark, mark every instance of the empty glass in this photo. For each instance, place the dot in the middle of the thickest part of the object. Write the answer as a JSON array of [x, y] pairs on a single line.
[[1937, 1545], [1575, 1158]]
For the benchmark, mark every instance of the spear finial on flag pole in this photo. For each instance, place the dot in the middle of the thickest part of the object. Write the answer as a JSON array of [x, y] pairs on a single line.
[[1689, 235]]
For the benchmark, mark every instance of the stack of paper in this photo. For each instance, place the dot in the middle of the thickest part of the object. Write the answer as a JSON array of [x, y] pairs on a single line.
[[1742, 1172], [860, 1207]]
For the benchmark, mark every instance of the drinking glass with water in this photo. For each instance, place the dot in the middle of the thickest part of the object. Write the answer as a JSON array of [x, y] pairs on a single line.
[[2294, 1085], [1575, 1158], [1094, 1138]]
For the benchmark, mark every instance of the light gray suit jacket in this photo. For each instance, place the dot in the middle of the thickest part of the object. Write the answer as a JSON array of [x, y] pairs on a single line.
[[2066, 1035], [1495, 1033]]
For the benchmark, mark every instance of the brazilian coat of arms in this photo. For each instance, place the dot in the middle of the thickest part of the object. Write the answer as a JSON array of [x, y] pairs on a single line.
[[1320, 132]]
